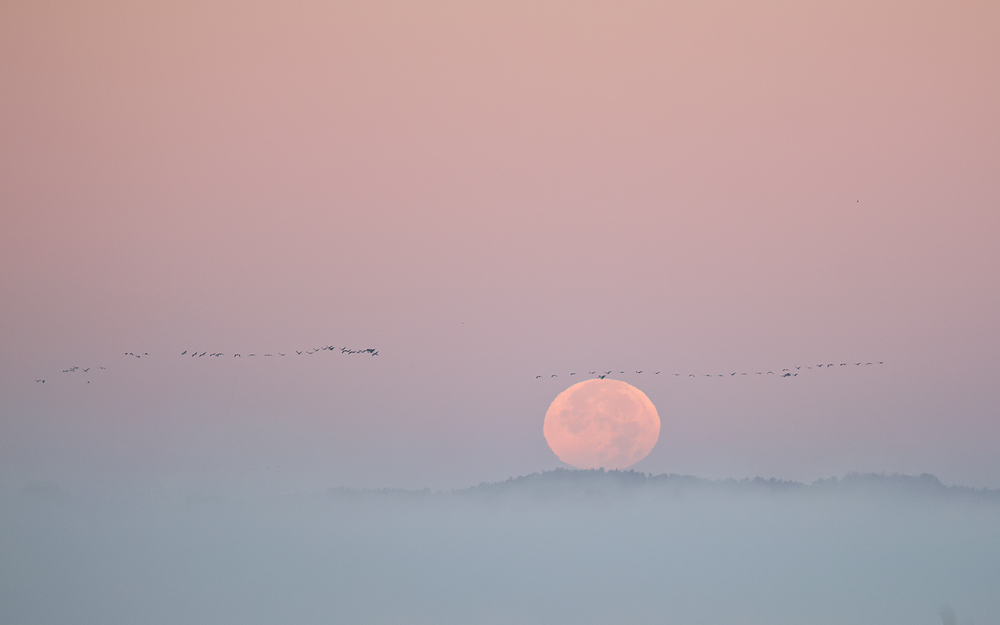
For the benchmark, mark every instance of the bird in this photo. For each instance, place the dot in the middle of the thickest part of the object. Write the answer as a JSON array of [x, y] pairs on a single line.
[[601, 376], [572, 374], [880, 362], [784, 369], [798, 367], [42, 381], [298, 352], [638, 371], [280, 354], [252, 355], [103, 367], [554, 376], [607, 373], [770, 372], [742, 374], [691, 375], [592, 372], [537, 376], [733, 373], [787, 375], [237, 356], [867, 363], [656, 373], [86, 370], [184, 352], [267, 354]]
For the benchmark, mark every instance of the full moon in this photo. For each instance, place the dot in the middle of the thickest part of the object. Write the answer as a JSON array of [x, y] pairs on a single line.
[[601, 423]]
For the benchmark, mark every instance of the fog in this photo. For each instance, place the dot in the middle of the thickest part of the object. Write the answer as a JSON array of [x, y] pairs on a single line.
[[558, 547]]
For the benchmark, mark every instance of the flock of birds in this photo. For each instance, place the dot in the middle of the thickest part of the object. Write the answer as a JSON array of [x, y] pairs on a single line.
[[790, 372], [784, 373], [199, 354], [343, 350]]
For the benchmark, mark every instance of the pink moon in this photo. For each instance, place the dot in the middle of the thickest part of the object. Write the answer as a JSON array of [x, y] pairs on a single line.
[[606, 424]]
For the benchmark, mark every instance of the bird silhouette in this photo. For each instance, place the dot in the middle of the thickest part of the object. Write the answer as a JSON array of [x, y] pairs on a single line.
[[184, 352], [602, 376], [42, 381], [537, 376], [237, 356], [554, 376], [787, 375]]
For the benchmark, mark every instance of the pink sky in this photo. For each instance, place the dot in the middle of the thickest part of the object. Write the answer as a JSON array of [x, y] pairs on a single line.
[[486, 192]]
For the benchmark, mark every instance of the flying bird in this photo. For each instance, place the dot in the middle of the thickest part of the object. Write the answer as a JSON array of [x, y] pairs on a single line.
[[184, 352], [42, 381], [537, 376]]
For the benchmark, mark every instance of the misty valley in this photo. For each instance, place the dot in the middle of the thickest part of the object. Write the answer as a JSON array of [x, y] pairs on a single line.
[[557, 547]]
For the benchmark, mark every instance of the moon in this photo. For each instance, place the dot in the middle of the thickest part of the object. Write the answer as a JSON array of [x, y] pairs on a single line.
[[606, 424]]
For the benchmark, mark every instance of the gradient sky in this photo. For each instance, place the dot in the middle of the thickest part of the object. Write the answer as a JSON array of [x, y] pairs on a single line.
[[486, 192]]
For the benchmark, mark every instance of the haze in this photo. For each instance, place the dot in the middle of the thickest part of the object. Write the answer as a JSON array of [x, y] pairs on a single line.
[[486, 193]]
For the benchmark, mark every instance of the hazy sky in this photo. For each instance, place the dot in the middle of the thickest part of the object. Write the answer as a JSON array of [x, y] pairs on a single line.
[[486, 192]]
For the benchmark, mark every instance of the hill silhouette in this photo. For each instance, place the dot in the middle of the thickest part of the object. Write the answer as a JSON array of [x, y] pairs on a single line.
[[571, 483]]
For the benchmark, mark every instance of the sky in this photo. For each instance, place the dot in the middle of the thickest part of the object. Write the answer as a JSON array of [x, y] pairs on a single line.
[[488, 192]]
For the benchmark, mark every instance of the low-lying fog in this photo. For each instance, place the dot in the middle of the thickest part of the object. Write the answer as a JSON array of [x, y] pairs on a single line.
[[562, 547]]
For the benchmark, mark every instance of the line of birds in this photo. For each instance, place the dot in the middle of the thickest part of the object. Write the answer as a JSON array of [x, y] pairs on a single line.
[[343, 350], [784, 373]]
